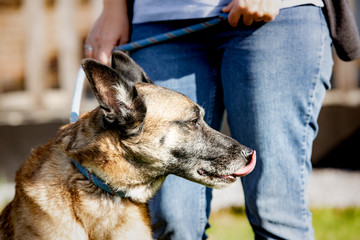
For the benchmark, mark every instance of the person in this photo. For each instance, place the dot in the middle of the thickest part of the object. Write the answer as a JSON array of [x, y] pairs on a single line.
[[269, 67]]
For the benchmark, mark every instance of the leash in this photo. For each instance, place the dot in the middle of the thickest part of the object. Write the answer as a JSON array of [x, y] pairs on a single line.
[[80, 79], [172, 34]]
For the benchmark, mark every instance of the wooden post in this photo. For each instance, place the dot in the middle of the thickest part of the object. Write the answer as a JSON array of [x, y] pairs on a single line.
[[35, 51], [68, 42], [345, 74]]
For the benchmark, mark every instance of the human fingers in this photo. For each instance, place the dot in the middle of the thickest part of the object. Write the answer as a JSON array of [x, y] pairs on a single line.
[[101, 41], [104, 53], [228, 7], [252, 11], [234, 13], [110, 29], [98, 47], [247, 9], [248, 17], [92, 41], [266, 10], [272, 10], [88, 51]]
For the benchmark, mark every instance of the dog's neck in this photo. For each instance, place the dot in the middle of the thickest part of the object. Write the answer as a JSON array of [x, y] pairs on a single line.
[[93, 147], [140, 193], [97, 181]]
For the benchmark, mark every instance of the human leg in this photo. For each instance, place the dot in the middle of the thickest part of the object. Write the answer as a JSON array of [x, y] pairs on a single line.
[[180, 209], [274, 79]]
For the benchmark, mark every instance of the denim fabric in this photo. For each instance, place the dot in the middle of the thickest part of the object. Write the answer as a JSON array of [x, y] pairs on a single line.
[[271, 78]]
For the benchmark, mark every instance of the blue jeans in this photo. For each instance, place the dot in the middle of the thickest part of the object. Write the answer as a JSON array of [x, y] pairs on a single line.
[[271, 78]]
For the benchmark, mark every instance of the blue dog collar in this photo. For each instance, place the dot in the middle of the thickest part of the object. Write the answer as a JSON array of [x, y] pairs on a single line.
[[97, 181]]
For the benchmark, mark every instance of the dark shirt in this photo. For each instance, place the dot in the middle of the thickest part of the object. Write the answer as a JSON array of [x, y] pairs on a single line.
[[343, 29]]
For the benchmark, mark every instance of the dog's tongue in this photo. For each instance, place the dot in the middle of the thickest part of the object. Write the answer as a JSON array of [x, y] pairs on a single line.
[[248, 168]]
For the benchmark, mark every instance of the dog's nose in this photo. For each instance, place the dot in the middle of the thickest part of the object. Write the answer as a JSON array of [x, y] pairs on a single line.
[[247, 153]]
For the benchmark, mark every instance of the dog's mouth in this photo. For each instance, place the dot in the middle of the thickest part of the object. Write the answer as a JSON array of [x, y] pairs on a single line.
[[232, 177]]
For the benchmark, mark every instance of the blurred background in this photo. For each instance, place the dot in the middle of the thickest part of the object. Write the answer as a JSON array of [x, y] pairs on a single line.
[[41, 44]]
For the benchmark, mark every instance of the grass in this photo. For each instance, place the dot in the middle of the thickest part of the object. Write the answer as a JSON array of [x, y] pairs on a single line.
[[228, 224], [334, 224], [329, 224]]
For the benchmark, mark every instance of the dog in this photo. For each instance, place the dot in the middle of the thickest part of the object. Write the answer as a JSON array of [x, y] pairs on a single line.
[[139, 134]]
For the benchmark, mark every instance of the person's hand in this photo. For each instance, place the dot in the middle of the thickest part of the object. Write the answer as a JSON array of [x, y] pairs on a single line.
[[110, 29], [251, 10]]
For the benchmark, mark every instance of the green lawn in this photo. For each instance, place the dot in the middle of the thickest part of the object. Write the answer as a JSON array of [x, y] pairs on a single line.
[[329, 224]]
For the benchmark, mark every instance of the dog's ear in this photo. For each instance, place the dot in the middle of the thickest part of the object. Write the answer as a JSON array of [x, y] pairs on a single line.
[[116, 95], [128, 68]]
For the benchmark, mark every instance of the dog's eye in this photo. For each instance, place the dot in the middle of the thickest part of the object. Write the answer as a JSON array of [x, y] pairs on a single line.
[[193, 122]]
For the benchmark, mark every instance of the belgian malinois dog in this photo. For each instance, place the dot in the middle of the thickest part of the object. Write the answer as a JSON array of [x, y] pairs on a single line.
[[138, 135]]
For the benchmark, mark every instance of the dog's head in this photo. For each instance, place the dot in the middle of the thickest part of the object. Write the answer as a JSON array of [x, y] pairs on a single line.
[[157, 131]]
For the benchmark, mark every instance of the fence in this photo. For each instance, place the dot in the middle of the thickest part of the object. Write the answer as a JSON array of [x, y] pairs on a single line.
[[40, 49]]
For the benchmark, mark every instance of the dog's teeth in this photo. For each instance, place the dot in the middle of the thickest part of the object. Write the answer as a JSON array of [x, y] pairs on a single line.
[[228, 177]]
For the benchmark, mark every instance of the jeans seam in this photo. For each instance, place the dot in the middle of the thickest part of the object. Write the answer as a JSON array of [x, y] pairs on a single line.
[[305, 149], [308, 116], [203, 219]]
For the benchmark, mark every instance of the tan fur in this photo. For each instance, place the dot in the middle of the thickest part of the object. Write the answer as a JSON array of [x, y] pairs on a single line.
[[53, 199], [140, 134]]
